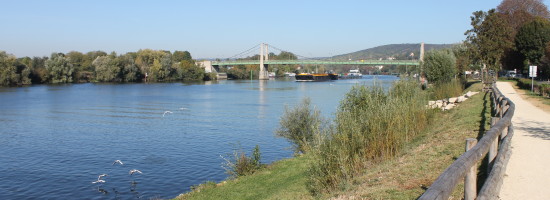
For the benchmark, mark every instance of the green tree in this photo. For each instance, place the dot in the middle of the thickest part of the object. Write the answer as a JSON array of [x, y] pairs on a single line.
[[8, 70], [107, 69], [532, 39], [439, 66], [39, 72], [189, 71], [60, 69], [488, 39], [130, 71], [179, 56]]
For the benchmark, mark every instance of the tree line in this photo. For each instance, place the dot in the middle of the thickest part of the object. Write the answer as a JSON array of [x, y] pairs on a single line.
[[515, 35], [98, 66]]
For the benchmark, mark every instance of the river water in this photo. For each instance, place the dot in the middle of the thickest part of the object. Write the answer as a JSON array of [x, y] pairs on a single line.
[[56, 139]]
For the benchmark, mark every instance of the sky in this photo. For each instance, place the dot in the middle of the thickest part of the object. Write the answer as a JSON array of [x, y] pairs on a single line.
[[222, 29]]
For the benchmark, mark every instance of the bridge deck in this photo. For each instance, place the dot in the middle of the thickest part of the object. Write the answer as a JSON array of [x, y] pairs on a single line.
[[318, 62]]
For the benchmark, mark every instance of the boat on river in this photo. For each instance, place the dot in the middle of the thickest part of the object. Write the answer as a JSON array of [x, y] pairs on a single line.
[[352, 74], [307, 77]]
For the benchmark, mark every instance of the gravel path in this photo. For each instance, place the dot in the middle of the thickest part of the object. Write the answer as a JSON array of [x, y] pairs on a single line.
[[528, 171]]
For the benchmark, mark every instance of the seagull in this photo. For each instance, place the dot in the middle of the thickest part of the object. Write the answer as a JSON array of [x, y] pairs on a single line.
[[118, 161], [99, 179], [134, 171], [166, 112]]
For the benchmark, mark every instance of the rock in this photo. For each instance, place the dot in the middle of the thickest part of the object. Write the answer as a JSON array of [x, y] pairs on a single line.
[[461, 99], [449, 106], [431, 103], [453, 100], [439, 103], [470, 94]]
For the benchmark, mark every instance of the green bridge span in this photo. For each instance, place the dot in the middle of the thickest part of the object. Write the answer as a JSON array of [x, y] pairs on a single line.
[[316, 62]]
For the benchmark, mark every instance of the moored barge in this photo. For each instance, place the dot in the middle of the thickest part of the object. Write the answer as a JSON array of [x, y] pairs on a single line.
[[306, 77]]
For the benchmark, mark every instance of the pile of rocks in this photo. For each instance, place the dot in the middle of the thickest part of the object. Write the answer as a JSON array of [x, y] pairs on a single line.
[[450, 103]]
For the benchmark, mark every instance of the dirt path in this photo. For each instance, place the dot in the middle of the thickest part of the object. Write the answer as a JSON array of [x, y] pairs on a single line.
[[528, 171]]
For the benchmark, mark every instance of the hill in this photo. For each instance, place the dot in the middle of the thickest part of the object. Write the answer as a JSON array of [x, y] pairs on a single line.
[[398, 51]]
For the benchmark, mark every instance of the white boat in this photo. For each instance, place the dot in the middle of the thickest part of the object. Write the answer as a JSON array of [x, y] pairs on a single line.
[[354, 72], [289, 74]]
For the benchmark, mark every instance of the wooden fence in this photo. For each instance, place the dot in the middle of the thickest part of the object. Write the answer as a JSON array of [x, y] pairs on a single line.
[[495, 144]]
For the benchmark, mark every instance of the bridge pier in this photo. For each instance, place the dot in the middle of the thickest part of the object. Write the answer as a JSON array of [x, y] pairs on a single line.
[[264, 73]]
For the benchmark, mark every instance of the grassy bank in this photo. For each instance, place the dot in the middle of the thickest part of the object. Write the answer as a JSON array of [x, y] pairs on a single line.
[[403, 177], [540, 95]]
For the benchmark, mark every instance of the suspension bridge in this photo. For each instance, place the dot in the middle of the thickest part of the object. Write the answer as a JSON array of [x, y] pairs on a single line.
[[264, 62]]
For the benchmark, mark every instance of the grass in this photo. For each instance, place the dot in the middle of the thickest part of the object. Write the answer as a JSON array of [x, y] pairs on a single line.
[[405, 176], [284, 179]]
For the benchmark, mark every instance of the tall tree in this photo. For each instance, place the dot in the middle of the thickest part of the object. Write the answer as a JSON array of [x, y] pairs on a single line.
[[8, 70], [532, 39], [60, 69], [489, 38], [519, 12], [179, 56], [106, 69]]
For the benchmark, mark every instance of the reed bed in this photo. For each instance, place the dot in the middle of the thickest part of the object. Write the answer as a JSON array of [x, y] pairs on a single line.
[[370, 125], [449, 89]]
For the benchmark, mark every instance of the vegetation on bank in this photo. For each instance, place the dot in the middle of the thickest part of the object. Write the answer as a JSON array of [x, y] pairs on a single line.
[[370, 125], [98, 66], [403, 176]]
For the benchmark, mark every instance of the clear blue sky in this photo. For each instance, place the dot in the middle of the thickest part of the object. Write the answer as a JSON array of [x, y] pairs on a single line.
[[220, 29]]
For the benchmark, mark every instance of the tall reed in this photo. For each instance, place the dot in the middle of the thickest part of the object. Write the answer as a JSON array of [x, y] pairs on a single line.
[[370, 125], [449, 89]]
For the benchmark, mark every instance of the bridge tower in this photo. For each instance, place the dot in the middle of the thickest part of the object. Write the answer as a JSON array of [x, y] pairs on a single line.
[[421, 59], [264, 54]]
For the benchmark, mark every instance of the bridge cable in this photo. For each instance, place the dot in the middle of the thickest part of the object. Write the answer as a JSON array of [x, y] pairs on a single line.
[[245, 52], [274, 47]]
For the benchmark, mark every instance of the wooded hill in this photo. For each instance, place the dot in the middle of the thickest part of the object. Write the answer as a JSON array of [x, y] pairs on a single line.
[[398, 51]]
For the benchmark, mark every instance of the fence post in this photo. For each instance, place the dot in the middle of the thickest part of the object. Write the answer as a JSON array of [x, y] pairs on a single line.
[[470, 182], [493, 148]]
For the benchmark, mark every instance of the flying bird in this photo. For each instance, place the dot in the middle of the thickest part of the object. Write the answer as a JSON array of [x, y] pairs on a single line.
[[134, 171], [99, 180], [166, 112], [118, 161]]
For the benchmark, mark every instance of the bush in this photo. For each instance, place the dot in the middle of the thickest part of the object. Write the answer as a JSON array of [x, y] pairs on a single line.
[[299, 125], [241, 164], [439, 66], [370, 125]]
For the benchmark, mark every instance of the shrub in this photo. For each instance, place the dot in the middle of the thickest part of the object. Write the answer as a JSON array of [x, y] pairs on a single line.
[[241, 164], [299, 125], [370, 125], [439, 66]]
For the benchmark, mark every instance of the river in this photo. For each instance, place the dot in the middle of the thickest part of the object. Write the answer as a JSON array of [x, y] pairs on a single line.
[[56, 139]]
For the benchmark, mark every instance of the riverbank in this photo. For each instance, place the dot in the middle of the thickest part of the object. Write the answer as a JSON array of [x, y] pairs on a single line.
[[404, 177]]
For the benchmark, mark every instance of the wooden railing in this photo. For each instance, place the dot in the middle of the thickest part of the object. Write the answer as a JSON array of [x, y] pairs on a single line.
[[495, 144]]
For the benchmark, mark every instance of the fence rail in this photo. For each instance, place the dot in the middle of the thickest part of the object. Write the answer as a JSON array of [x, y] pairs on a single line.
[[495, 144]]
